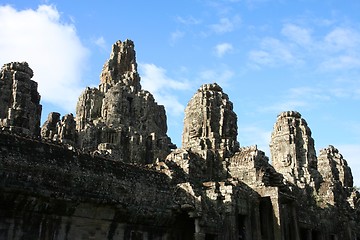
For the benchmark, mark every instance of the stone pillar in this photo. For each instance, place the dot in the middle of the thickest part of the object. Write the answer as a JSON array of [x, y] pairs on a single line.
[[198, 235], [277, 220]]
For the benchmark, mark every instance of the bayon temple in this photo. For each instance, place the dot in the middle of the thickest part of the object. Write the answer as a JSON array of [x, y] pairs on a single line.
[[111, 172]]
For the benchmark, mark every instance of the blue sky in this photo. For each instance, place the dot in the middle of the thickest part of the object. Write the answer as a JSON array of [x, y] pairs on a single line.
[[268, 55]]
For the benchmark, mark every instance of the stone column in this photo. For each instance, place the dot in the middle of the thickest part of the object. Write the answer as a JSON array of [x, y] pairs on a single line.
[[198, 235]]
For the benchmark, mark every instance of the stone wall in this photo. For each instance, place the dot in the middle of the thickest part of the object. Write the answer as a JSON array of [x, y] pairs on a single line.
[[50, 192]]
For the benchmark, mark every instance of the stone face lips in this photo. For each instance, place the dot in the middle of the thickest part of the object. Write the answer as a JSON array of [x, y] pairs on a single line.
[[119, 119], [20, 109], [210, 122], [292, 149]]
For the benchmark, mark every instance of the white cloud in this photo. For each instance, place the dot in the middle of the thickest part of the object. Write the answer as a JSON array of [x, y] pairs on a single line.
[[155, 80], [188, 20], [285, 105], [226, 25], [341, 47], [223, 48], [255, 135], [336, 49], [261, 57], [273, 52], [100, 42], [301, 36], [175, 36], [219, 76], [51, 47], [299, 98], [279, 50], [308, 93], [342, 39], [342, 62]]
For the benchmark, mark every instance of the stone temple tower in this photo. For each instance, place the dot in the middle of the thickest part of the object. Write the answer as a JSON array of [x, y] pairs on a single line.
[[209, 135], [20, 109], [292, 150], [210, 122], [119, 119]]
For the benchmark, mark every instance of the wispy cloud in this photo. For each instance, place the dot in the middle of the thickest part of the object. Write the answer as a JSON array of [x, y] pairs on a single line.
[[299, 35], [50, 46], [175, 36], [223, 48], [342, 62], [330, 50], [299, 98], [255, 134], [155, 80], [341, 47], [221, 76], [342, 38], [101, 43], [273, 52], [284, 105], [226, 25], [261, 57], [188, 20], [308, 93]]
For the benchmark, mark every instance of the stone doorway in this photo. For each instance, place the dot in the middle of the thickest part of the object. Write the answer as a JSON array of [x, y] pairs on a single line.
[[183, 228], [266, 219]]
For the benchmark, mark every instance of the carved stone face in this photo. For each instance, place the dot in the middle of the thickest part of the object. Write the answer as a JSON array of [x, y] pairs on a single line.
[[287, 160], [195, 129]]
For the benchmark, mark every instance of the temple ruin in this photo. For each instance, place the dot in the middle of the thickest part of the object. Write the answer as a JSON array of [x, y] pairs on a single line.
[[111, 172]]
